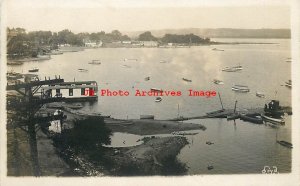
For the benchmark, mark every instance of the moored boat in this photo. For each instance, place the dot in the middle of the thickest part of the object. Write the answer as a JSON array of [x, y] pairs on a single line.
[[33, 70], [288, 83], [158, 99], [285, 143], [188, 80], [233, 116], [253, 118], [15, 63], [156, 89], [147, 78], [232, 69], [218, 82], [95, 62], [260, 94], [82, 70], [272, 120], [240, 88]]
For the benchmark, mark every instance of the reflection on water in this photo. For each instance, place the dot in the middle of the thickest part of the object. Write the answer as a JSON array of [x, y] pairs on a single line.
[[237, 148]]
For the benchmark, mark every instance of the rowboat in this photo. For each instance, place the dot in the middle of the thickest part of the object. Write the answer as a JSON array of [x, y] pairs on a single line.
[[158, 99], [273, 120], [188, 80], [288, 84], [240, 88], [253, 118], [232, 69], [82, 70], [233, 116], [285, 143], [218, 82], [260, 94], [215, 49], [15, 63]]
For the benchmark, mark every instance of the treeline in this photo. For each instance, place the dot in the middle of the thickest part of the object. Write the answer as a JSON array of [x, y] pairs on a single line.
[[21, 43]]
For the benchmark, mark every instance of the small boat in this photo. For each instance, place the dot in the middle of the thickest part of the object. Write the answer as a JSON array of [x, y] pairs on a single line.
[[126, 66], [156, 89], [233, 116], [216, 112], [125, 59], [209, 167], [56, 52], [288, 84], [260, 94], [232, 69], [33, 70], [285, 143], [95, 62], [272, 120], [215, 49], [218, 82], [82, 70], [209, 143], [240, 88], [188, 80], [158, 99], [146, 116], [147, 78], [253, 118]]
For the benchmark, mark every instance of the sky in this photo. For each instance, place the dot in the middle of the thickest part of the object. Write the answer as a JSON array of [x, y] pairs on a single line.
[[139, 15]]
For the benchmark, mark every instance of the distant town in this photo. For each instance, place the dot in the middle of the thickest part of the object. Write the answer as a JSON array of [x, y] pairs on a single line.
[[31, 44]]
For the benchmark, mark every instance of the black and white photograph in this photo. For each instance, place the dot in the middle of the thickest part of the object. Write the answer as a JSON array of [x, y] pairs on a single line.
[[145, 90]]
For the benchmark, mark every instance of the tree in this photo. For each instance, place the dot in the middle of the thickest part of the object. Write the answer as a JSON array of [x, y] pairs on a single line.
[[147, 36], [88, 133]]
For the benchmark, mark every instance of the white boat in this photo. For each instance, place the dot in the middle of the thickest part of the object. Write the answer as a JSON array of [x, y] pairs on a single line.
[[260, 94], [272, 120], [158, 99], [240, 88], [156, 89], [82, 70], [232, 69], [218, 82]]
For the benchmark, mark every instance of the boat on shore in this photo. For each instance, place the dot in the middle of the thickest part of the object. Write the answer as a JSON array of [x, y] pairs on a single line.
[[187, 80], [95, 62], [82, 70], [218, 82], [33, 70], [240, 88], [272, 120], [260, 94]]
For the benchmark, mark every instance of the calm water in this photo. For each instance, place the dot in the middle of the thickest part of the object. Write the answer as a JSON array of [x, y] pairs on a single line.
[[239, 148]]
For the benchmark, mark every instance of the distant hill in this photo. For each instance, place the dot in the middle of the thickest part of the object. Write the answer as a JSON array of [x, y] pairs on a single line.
[[220, 33]]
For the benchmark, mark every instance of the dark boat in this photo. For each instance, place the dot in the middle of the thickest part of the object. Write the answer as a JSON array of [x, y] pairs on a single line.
[[285, 143], [233, 116], [253, 118], [188, 80], [33, 70], [158, 99]]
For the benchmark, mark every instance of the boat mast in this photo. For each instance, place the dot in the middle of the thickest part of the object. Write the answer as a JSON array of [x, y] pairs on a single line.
[[221, 101], [235, 106], [177, 110]]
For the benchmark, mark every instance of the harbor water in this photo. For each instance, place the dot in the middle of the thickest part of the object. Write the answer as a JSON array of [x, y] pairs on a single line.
[[239, 147]]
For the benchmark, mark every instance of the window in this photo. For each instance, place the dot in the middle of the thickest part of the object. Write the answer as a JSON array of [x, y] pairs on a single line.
[[82, 91], [70, 92]]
